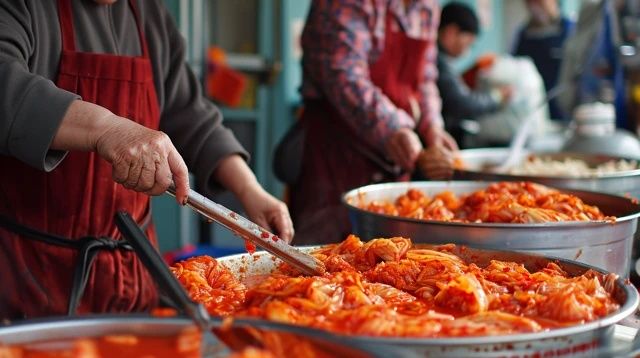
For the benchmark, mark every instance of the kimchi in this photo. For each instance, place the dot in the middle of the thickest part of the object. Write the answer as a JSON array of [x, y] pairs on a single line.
[[389, 287], [504, 202], [184, 344]]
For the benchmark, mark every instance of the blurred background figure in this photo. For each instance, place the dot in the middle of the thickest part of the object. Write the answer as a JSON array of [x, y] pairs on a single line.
[[542, 38], [370, 105], [459, 27], [592, 68]]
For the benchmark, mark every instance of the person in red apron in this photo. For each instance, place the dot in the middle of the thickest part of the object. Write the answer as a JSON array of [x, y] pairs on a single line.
[[369, 72], [60, 251]]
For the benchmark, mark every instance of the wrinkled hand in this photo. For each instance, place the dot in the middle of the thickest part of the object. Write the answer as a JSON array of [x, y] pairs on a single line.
[[436, 162], [267, 211], [143, 159], [403, 148]]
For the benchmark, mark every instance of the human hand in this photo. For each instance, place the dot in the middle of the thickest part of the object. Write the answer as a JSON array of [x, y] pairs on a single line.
[[142, 159], [506, 93], [267, 211], [436, 162], [403, 148], [437, 136]]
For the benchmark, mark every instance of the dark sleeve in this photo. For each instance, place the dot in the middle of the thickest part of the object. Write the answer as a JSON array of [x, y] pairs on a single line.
[[193, 123], [458, 100], [516, 48], [31, 106]]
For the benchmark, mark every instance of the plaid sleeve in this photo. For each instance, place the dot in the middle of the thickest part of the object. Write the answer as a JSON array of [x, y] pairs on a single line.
[[337, 47]]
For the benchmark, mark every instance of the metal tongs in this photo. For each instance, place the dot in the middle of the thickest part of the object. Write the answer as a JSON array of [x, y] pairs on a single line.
[[211, 346], [252, 232]]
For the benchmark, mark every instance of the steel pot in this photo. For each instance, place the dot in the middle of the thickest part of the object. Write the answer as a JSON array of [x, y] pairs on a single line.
[[601, 244], [242, 333], [620, 183], [593, 339]]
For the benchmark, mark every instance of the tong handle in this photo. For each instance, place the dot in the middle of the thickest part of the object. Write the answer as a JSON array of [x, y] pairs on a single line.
[[159, 270], [252, 232]]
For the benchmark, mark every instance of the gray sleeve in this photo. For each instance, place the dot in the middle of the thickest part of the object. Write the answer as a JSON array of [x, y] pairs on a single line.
[[193, 123], [458, 100], [31, 106]]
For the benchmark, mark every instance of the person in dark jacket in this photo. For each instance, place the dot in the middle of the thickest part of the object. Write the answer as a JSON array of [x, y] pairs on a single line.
[[458, 30], [542, 39], [99, 110]]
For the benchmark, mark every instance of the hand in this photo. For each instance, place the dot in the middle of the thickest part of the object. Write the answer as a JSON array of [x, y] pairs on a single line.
[[403, 148], [506, 93], [436, 162], [437, 136], [143, 159], [261, 207], [267, 211]]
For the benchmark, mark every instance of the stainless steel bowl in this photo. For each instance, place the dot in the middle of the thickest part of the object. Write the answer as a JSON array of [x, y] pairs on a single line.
[[620, 183], [593, 339], [240, 334], [601, 244]]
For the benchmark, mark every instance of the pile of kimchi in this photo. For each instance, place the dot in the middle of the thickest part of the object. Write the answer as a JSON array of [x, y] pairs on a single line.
[[504, 202], [389, 287]]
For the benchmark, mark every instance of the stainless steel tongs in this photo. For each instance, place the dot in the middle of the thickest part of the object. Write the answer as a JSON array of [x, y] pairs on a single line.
[[211, 346], [253, 232]]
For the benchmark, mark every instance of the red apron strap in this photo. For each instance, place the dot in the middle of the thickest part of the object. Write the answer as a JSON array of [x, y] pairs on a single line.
[[65, 17], [143, 40], [390, 19]]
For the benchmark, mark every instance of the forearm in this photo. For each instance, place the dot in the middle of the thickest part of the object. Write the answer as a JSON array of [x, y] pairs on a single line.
[[234, 174], [82, 125], [262, 208], [466, 104], [430, 105]]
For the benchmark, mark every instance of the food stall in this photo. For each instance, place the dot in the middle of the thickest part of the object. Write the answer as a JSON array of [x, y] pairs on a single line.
[[533, 261]]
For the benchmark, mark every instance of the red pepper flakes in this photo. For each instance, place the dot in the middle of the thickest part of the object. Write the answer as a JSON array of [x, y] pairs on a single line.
[[264, 235], [164, 312], [251, 248], [275, 238]]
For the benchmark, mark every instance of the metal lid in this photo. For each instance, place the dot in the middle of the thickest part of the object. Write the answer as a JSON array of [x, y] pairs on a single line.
[[595, 112], [620, 143]]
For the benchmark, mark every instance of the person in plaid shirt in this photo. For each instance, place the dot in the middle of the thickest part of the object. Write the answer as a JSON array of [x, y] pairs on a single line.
[[371, 105]]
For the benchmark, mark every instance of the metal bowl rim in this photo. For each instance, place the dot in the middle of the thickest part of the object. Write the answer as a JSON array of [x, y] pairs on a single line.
[[564, 224], [88, 321], [515, 177]]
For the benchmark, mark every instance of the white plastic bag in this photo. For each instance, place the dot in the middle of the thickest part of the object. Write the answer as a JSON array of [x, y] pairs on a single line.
[[527, 100]]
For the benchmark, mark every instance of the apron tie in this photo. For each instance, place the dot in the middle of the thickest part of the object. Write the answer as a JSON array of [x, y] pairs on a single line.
[[88, 247]]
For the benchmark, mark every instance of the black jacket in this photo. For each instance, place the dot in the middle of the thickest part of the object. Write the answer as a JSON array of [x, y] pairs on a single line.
[[458, 100]]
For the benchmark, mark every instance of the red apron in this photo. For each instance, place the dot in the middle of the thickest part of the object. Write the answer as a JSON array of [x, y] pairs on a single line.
[[336, 159], [58, 229]]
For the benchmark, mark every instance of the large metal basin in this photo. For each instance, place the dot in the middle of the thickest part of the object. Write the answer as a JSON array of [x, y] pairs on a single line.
[[625, 183], [601, 244], [593, 339], [620, 183], [240, 334]]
